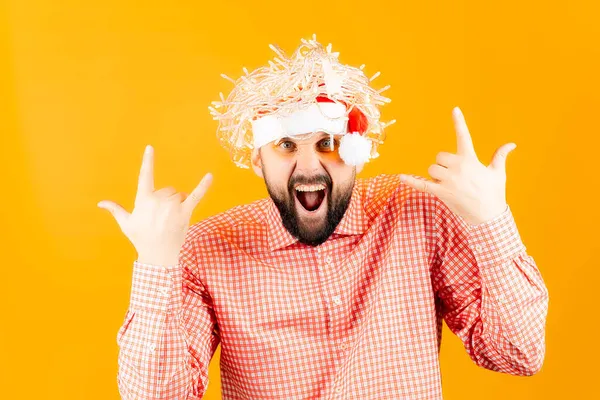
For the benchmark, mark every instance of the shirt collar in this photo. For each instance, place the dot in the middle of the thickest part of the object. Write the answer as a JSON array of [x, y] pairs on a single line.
[[354, 221], [277, 236]]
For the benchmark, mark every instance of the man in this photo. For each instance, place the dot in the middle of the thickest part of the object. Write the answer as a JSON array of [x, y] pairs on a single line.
[[333, 287]]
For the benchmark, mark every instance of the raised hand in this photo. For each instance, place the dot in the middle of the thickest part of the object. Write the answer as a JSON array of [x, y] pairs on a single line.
[[470, 189], [160, 219]]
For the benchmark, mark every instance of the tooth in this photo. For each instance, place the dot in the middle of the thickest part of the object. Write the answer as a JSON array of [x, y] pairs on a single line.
[[310, 188]]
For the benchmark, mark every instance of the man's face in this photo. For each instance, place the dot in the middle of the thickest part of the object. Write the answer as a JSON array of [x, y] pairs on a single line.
[[309, 182]]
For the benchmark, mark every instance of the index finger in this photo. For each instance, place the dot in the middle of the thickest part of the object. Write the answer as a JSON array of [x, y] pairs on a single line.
[[146, 178], [464, 143]]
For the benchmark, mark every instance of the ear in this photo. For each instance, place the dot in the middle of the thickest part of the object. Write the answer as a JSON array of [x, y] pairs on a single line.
[[257, 162]]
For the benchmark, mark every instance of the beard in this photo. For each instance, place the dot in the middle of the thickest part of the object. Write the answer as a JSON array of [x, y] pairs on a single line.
[[338, 199]]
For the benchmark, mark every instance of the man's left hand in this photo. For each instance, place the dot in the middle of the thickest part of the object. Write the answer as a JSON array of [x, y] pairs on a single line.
[[470, 189]]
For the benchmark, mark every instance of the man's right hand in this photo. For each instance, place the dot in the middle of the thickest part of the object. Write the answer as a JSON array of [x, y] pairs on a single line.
[[158, 225]]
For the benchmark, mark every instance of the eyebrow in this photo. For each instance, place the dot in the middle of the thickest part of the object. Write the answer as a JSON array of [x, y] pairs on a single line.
[[320, 136]]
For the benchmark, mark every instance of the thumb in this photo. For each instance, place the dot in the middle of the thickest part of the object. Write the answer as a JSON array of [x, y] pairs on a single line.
[[499, 158], [116, 210]]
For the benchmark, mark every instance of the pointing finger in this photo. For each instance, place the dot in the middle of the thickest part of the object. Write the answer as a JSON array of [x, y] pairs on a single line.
[[146, 178], [464, 143]]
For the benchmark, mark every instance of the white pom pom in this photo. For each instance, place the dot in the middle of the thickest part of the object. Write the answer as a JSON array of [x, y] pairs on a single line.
[[355, 149]]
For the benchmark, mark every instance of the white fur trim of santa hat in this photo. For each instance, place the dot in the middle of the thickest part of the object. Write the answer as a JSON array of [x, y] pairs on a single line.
[[325, 117]]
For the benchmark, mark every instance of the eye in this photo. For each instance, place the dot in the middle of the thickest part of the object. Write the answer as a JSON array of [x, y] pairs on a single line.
[[326, 143], [286, 145]]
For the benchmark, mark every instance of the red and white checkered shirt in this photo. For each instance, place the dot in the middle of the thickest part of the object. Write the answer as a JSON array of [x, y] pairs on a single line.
[[358, 317]]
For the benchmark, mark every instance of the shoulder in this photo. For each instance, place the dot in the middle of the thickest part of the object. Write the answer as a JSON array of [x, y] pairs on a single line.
[[387, 191], [232, 227]]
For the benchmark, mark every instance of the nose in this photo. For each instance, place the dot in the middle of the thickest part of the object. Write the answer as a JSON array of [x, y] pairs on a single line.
[[308, 160]]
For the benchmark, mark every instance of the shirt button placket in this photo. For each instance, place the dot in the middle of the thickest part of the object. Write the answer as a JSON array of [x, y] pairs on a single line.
[[337, 300], [344, 346]]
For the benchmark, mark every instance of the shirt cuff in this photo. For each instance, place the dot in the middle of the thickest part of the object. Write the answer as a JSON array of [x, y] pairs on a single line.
[[156, 287], [497, 241]]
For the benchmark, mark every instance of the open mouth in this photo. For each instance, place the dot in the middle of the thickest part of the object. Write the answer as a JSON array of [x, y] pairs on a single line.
[[311, 197]]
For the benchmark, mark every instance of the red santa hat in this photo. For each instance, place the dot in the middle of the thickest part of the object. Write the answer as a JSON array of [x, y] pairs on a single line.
[[355, 148], [309, 92]]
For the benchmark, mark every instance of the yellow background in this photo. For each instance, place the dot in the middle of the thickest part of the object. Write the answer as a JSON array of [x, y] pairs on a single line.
[[85, 85]]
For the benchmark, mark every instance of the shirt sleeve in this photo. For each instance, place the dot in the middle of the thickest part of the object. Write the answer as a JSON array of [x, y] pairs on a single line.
[[169, 334], [491, 292]]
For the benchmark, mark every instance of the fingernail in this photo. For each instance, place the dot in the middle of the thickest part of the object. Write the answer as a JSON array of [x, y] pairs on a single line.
[[148, 148]]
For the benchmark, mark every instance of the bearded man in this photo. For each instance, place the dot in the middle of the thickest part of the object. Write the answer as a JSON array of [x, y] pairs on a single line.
[[333, 287]]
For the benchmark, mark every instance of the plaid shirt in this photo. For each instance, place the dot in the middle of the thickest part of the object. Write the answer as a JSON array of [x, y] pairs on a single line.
[[358, 317]]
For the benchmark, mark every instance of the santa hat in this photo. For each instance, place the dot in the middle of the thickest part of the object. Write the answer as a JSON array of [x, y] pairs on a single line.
[[355, 148], [307, 93]]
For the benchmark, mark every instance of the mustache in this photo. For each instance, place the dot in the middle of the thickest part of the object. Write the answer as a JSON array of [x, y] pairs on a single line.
[[309, 180]]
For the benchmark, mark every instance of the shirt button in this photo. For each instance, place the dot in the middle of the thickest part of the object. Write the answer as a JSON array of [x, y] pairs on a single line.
[[478, 248], [338, 389], [337, 300], [164, 290], [328, 259], [502, 299], [152, 347], [343, 346]]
